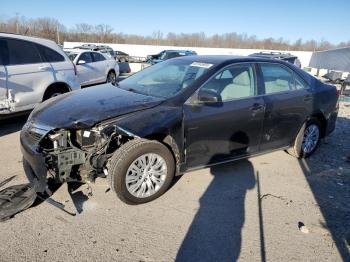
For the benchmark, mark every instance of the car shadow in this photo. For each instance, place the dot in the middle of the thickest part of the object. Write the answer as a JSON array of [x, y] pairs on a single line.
[[12, 124], [78, 196], [215, 232], [329, 180]]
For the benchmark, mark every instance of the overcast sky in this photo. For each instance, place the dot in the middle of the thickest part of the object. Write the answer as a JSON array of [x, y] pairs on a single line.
[[293, 19]]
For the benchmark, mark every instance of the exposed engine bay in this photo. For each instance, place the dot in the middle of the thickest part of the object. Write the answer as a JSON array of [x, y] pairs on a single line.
[[81, 155]]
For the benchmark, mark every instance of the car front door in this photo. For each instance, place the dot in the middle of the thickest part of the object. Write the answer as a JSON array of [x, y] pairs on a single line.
[[87, 74], [26, 72], [288, 100], [227, 129]]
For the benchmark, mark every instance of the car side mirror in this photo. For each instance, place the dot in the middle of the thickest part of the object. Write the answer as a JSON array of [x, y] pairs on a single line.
[[206, 96], [81, 62]]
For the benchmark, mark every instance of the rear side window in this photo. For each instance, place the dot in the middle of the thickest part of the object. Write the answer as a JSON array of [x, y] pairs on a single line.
[[3, 52], [22, 52], [50, 55], [97, 57], [277, 78]]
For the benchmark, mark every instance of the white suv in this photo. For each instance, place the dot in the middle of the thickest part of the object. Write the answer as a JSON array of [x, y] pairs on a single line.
[[31, 71], [94, 67]]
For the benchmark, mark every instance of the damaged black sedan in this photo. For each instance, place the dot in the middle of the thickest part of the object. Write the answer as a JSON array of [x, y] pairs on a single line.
[[182, 114]]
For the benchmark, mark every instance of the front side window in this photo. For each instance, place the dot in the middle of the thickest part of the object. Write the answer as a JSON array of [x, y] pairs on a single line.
[[22, 52], [165, 79], [85, 57], [50, 55], [277, 78], [234, 82]]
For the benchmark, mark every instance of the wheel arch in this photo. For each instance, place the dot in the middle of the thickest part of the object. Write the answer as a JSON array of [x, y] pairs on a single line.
[[171, 144], [323, 121], [59, 85]]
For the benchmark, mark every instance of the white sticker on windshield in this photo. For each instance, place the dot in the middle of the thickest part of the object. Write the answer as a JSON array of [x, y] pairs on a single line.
[[204, 65]]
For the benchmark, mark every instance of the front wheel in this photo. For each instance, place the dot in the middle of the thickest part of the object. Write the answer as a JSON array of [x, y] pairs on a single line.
[[112, 78], [307, 139], [141, 170]]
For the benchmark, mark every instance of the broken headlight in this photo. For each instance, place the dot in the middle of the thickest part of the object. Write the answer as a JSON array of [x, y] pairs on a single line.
[[86, 138]]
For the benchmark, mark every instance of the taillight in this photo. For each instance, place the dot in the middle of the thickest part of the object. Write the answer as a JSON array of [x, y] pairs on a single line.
[[75, 69]]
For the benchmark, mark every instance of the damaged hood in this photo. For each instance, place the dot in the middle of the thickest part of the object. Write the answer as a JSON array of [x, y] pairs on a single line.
[[87, 107]]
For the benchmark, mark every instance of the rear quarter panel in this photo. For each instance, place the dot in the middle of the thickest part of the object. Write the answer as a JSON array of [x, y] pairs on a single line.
[[326, 102]]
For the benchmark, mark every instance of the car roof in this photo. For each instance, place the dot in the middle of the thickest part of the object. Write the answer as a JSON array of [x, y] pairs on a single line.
[[176, 51], [278, 55], [37, 40], [220, 59]]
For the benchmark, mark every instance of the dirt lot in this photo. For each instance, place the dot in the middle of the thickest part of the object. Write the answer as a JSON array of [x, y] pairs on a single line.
[[250, 210]]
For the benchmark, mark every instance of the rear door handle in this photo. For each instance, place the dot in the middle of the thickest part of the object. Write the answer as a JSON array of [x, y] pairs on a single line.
[[43, 68], [307, 98]]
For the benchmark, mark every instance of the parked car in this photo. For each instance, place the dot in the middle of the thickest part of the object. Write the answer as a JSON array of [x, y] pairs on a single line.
[[278, 55], [101, 48], [105, 49], [94, 67], [167, 54], [121, 56], [179, 115], [32, 70]]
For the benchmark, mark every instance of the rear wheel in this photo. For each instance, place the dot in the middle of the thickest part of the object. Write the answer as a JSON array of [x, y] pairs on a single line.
[[141, 171], [307, 139], [54, 91]]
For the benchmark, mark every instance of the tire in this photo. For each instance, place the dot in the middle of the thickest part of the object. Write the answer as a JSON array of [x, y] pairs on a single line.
[[129, 154], [53, 92], [112, 78], [298, 149]]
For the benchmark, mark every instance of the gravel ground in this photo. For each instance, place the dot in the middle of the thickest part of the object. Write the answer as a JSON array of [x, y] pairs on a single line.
[[269, 208]]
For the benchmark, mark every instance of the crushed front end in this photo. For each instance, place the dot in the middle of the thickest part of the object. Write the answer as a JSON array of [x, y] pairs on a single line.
[[67, 155]]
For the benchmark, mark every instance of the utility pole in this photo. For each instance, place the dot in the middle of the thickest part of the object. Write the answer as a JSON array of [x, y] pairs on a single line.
[[58, 35]]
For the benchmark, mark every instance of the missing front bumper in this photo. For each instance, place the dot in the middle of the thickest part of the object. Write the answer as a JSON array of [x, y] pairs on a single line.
[[34, 166]]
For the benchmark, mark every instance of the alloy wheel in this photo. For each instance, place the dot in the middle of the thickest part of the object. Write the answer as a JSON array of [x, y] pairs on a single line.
[[146, 175], [311, 137]]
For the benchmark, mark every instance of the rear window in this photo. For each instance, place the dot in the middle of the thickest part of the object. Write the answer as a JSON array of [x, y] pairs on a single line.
[[22, 52], [50, 55]]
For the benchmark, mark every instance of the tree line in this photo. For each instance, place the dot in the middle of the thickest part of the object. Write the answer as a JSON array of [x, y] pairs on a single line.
[[102, 33]]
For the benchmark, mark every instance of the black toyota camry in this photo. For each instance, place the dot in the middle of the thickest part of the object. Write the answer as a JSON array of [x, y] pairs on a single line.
[[182, 114]]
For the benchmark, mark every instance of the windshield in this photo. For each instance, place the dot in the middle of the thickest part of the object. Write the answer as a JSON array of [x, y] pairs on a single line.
[[165, 79]]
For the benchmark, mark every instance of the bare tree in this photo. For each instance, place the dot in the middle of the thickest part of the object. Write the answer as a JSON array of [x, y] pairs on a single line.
[[52, 29]]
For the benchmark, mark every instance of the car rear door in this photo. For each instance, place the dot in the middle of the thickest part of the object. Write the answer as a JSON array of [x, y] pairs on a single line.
[[229, 129], [27, 72], [87, 74], [100, 63], [288, 100]]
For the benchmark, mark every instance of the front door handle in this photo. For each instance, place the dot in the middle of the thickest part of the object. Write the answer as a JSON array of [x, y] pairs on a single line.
[[257, 107], [43, 68]]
